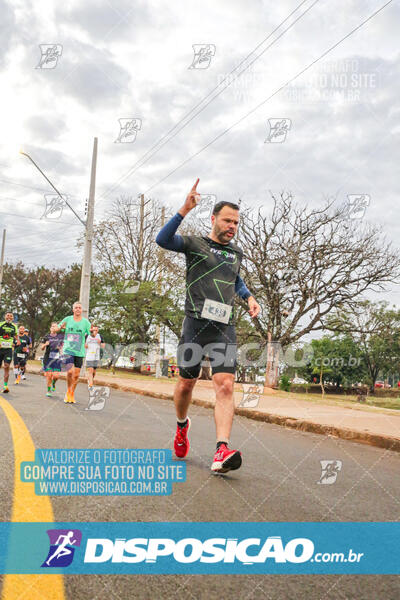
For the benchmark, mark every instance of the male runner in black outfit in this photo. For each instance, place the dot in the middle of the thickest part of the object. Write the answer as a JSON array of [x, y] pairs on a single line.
[[8, 335], [212, 278], [21, 352]]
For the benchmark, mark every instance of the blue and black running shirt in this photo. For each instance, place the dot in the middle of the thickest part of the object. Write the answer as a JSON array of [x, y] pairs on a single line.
[[212, 269]]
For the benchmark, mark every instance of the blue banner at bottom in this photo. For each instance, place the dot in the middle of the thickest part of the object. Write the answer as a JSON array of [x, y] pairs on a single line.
[[200, 548]]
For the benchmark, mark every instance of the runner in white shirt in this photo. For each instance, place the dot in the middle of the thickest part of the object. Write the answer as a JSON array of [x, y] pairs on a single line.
[[93, 343]]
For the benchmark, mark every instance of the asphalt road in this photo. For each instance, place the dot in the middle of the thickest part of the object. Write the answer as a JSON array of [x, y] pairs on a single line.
[[277, 482]]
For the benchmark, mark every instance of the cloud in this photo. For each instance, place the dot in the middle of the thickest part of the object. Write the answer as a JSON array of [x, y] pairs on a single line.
[[43, 129], [108, 21], [117, 65], [7, 31]]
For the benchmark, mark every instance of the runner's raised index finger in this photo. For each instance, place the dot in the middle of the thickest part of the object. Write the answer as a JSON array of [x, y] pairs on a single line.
[[195, 185]]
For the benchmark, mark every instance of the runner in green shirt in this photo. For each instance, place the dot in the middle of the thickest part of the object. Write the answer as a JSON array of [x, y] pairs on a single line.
[[8, 333], [75, 328]]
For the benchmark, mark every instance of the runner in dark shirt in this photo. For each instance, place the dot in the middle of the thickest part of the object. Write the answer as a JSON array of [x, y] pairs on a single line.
[[52, 344], [8, 337], [212, 278], [21, 352]]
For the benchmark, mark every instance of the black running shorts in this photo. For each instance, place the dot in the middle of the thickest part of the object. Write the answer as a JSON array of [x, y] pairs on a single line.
[[203, 337], [6, 354], [20, 360]]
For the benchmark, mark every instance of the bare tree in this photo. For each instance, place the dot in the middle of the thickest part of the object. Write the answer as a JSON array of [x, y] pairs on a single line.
[[125, 240], [302, 263], [125, 249]]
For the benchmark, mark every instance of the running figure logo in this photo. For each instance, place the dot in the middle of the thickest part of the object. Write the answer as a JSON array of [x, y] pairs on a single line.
[[54, 206], [330, 470], [98, 395], [251, 395], [357, 205], [50, 55], [278, 129], [204, 208], [128, 130], [62, 547], [131, 287], [203, 54]]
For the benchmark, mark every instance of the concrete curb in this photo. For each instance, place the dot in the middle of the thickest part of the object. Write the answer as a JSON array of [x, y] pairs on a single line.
[[381, 441]]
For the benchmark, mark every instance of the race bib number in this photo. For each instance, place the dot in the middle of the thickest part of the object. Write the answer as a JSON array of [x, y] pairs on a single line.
[[6, 344], [21, 355], [54, 354], [216, 311]]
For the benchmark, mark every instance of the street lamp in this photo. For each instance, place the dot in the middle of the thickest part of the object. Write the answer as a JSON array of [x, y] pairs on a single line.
[[84, 294], [53, 186]]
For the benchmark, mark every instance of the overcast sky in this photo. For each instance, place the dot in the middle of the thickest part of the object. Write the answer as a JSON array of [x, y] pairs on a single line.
[[131, 60]]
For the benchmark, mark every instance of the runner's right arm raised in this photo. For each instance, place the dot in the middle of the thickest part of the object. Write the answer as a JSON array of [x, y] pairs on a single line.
[[166, 238]]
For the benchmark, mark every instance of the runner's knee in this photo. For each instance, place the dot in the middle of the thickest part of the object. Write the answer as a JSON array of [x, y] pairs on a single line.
[[224, 384], [187, 384]]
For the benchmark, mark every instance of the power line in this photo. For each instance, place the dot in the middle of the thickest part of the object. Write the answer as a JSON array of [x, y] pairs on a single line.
[[29, 187], [145, 158], [19, 199], [46, 240], [17, 215], [27, 254], [269, 97]]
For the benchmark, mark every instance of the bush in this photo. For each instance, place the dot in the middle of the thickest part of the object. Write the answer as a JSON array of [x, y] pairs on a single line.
[[284, 383]]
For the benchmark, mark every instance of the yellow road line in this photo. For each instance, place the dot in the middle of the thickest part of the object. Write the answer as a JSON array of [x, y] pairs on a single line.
[[28, 507]]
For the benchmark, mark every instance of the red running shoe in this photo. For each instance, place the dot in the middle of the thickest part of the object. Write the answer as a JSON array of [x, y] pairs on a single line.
[[226, 460], [181, 441]]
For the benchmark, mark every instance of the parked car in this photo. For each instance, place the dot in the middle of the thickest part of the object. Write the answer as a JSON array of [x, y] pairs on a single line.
[[379, 384], [298, 381]]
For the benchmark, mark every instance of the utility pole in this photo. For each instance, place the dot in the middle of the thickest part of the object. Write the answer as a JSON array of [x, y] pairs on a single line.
[[158, 336], [3, 245], [140, 245], [84, 294], [88, 224]]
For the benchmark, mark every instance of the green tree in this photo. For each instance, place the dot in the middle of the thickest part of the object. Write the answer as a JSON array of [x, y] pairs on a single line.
[[40, 295], [375, 330], [321, 360], [341, 354]]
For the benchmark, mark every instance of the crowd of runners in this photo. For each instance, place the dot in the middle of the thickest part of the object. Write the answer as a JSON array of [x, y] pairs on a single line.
[[65, 347], [212, 280]]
